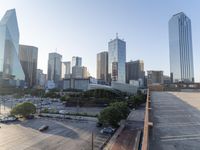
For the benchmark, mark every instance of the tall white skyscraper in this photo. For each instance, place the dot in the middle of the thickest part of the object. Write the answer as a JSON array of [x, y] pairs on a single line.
[[10, 67], [180, 45], [66, 69], [117, 54]]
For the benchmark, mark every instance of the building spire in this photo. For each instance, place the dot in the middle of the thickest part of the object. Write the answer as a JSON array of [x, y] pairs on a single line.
[[116, 35]]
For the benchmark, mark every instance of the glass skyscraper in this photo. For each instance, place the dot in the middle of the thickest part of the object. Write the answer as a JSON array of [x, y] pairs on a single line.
[[10, 67], [117, 54], [54, 67], [180, 45]]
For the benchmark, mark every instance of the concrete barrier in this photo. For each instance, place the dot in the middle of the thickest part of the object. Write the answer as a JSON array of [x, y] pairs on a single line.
[[114, 137], [147, 124]]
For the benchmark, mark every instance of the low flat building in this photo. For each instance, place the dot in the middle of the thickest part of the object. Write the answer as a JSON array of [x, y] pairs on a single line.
[[130, 89], [76, 83]]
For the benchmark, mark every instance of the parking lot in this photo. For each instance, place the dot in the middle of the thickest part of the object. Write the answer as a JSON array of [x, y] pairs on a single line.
[[176, 121], [9, 102], [61, 135]]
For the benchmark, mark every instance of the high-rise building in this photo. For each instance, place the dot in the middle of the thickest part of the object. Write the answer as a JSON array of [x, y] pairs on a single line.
[[102, 66], [76, 61], [114, 71], [117, 53], [28, 56], [180, 45], [10, 66], [66, 69], [40, 78], [54, 67], [135, 70], [155, 77]]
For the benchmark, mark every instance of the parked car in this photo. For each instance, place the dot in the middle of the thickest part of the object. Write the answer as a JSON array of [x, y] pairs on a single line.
[[107, 130], [7, 119], [63, 112], [43, 128]]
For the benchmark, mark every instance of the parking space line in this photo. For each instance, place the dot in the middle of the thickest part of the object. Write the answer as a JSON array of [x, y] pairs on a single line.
[[177, 124], [181, 139]]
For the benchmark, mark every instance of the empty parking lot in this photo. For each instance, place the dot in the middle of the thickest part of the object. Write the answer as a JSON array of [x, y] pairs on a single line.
[[176, 121], [61, 135]]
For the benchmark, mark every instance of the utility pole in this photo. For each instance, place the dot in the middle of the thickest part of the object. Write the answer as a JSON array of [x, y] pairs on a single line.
[[92, 140], [0, 106]]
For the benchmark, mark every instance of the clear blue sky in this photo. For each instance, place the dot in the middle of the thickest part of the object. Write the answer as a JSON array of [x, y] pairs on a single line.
[[84, 27]]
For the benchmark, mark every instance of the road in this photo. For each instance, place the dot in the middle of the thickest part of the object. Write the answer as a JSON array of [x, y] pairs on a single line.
[[61, 135], [176, 121]]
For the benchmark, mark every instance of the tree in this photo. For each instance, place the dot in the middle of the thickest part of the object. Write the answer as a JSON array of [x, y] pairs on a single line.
[[122, 107], [24, 109], [114, 113]]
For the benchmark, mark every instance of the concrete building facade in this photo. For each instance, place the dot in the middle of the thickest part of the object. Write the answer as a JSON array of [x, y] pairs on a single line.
[[28, 56]]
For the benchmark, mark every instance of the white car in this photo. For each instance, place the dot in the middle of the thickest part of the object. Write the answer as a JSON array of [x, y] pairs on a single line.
[[63, 112]]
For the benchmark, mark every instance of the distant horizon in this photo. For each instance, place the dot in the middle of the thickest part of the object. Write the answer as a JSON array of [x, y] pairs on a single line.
[[84, 29]]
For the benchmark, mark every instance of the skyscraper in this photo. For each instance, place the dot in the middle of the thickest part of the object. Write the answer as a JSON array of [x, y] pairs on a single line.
[[54, 67], [102, 66], [135, 70], [180, 45], [40, 78], [10, 66], [66, 69], [28, 56], [117, 54], [76, 61]]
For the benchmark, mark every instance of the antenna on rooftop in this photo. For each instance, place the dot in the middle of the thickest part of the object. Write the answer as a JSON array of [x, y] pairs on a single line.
[[117, 35]]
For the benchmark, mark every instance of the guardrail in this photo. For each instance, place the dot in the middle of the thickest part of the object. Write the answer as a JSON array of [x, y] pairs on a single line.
[[147, 124]]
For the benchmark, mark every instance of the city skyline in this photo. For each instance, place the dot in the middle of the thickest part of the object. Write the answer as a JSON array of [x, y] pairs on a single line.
[[134, 32]]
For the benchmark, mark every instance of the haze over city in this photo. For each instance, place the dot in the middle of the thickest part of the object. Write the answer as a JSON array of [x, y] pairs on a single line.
[[84, 28]]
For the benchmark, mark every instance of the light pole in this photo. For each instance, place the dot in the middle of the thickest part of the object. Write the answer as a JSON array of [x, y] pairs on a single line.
[[0, 105], [92, 140]]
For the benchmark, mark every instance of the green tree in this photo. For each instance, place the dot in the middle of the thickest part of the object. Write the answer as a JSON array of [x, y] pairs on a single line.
[[24, 109], [112, 114]]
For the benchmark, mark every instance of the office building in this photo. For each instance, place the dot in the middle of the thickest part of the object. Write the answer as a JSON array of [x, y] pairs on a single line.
[[79, 72], [28, 56], [76, 61], [154, 77], [135, 71], [10, 67], [54, 67], [66, 69], [102, 66], [180, 45], [114, 76], [117, 54], [40, 78]]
